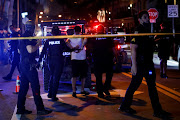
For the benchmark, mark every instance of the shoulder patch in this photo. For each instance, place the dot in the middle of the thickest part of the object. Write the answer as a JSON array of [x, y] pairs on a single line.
[[133, 40]]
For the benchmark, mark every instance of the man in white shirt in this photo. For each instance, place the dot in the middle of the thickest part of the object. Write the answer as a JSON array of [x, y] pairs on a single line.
[[78, 58]]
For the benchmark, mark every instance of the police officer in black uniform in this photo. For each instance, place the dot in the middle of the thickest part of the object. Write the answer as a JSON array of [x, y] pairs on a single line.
[[1, 47], [28, 49], [142, 66], [103, 62], [164, 46], [14, 53], [55, 49]]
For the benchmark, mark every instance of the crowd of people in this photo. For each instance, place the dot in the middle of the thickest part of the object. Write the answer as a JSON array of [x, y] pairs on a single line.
[[103, 54]]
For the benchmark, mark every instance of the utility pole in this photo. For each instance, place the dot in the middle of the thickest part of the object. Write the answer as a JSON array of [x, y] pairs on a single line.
[[17, 13]]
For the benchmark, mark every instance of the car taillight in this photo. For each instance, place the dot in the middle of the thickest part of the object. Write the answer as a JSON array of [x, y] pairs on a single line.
[[85, 48], [118, 47]]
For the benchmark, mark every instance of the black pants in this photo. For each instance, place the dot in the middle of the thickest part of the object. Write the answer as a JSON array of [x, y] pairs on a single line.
[[29, 75], [148, 72], [100, 68], [56, 65], [15, 63]]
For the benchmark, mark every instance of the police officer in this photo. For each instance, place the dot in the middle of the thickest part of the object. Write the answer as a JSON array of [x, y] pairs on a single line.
[[28, 49], [103, 62], [164, 45], [14, 52], [142, 66], [1, 47], [55, 49]]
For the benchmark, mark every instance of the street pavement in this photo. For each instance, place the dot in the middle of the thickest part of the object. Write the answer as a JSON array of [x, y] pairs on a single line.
[[91, 107]]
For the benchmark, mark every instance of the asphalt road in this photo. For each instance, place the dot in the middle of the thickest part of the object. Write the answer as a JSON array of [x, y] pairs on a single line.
[[91, 107]]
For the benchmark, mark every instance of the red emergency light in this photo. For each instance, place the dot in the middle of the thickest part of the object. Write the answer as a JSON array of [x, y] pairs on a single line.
[[118, 47]]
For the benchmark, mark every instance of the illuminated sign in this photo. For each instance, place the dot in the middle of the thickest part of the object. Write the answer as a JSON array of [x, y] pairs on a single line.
[[101, 15]]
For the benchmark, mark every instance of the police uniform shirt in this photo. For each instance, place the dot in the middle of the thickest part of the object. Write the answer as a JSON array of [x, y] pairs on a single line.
[[145, 44], [103, 48], [55, 48], [27, 57], [14, 43], [164, 43]]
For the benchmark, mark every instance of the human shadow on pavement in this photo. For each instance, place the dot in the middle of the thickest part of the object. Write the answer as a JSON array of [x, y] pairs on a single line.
[[136, 116], [39, 117], [89, 100], [65, 108], [136, 102], [139, 102], [143, 118], [35, 117]]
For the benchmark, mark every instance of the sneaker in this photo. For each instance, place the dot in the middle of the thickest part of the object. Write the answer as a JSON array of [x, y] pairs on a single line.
[[74, 94], [23, 112], [100, 95], [43, 112], [7, 78], [164, 76], [107, 92], [49, 96], [85, 93], [54, 99], [127, 110], [162, 114]]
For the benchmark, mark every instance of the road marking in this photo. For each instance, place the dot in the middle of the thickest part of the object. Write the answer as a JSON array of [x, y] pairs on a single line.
[[168, 89], [161, 88], [15, 116], [169, 94], [119, 92]]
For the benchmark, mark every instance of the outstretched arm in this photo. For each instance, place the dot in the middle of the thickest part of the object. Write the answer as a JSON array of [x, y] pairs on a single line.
[[133, 58], [31, 48]]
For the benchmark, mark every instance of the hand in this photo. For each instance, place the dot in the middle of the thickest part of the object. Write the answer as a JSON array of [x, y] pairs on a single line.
[[77, 47], [77, 51], [39, 42], [38, 65], [134, 70]]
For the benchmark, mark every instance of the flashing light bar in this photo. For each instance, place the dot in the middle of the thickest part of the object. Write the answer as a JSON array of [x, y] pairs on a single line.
[[63, 23]]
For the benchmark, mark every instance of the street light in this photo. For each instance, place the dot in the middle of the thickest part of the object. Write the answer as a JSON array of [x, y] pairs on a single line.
[[130, 5], [59, 16], [41, 13]]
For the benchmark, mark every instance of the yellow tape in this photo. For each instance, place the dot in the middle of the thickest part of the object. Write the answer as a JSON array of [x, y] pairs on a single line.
[[87, 36]]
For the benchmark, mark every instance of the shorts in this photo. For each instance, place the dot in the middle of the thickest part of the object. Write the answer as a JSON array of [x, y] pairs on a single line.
[[79, 68]]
